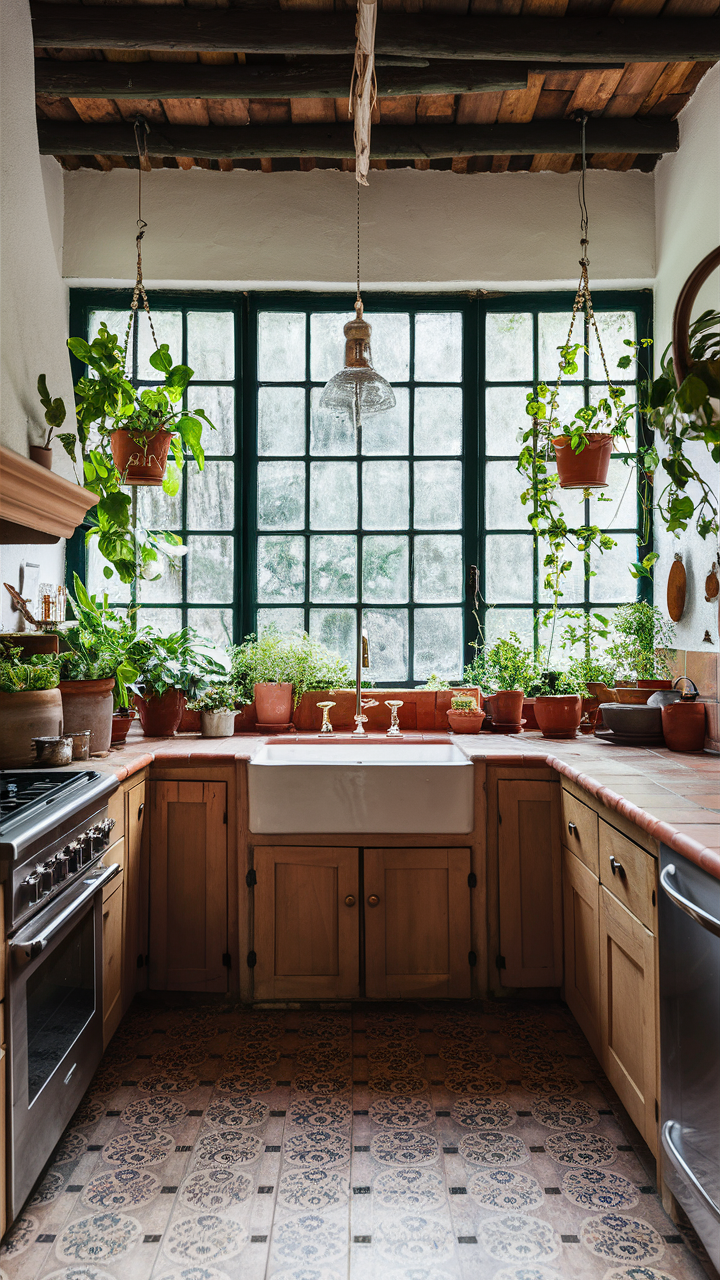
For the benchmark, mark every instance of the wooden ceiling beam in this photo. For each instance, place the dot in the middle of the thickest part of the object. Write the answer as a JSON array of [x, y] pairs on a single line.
[[591, 38], [646, 136], [309, 78]]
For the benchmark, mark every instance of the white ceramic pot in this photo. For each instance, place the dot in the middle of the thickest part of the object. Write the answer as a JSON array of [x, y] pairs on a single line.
[[217, 724]]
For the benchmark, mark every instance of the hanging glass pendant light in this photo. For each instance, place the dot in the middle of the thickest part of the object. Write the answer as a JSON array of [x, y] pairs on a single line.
[[357, 390]]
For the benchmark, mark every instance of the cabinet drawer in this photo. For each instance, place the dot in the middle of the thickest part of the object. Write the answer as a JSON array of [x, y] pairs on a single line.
[[115, 854], [116, 810], [628, 873], [580, 830]]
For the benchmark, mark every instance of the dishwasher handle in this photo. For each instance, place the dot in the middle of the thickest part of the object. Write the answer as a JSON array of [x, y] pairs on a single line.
[[668, 1131], [27, 948], [691, 908]]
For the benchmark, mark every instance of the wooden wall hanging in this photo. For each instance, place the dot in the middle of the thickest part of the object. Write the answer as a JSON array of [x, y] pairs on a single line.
[[712, 585], [676, 588]]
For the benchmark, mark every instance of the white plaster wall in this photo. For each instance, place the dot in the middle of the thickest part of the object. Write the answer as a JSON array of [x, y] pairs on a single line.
[[687, 187], [419, 229], [50, 557], [33, 320]]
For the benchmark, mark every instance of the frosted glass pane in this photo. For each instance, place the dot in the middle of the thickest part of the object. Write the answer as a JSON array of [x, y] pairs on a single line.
[[503, 486], [621, 511], [613, 580], [438, 567], [500, 622], [386, 495], [573, 583], [390, 344], [164, 621], [508, 346], [281, 495], [281, 619], [615, 327], [438, 420], [97, 584], [281, 421], [219, 405], [281, 346], [164, 590], [210, 570], [333, 495], [570, 399], [330, 433], [508, 568], [552, 334], [385, 570], [116, 321], [438, 643], [438, 495], [216, 626], [281, 569], [157, 510], [211, 344], [211, 496], [505, 419], [438, 346], [168, 328], [335, 628], [389, 432], [333, 570], [327, 343], [388, 644]]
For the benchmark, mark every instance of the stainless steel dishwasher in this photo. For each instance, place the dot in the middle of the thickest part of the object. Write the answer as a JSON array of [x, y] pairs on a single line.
[[689, 947]]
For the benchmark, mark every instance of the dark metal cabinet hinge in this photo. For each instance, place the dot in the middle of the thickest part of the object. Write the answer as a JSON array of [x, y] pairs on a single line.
[[251, 879], [472, 959], [251, 960], [500, 962], [226, 959], [472, 880]]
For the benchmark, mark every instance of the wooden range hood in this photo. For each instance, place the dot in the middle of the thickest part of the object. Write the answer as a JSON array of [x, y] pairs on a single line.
[[36, 505]]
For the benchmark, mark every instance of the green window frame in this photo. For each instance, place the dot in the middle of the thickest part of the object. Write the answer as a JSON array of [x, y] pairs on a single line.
[[491, 521]]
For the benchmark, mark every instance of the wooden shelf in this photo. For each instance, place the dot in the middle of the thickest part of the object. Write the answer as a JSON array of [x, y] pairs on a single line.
[[36, 505]]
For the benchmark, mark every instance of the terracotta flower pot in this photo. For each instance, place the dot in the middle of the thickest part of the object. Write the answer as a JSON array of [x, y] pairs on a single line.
[[558, 715], [141, 463], [42, 456], [465, 721], [88, 704], [508, 706], [683, 726], [120, 727], [528, 711], [587, 469], [273, 703], [32, 713], [190, 721], [633, 697], [160, 716]]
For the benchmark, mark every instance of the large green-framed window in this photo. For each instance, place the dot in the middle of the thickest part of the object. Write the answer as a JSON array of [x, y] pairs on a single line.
[[294, 520]]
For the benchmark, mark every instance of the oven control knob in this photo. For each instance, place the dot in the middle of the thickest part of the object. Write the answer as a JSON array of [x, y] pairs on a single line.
[[32, 883], [47, 877], [73, 853], [62, 863], [106, 827], [86, 846]]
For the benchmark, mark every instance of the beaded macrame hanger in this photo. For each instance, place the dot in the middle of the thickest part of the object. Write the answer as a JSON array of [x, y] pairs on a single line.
[[141, 131]]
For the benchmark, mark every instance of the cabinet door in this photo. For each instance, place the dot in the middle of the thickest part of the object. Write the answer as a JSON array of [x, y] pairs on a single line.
[[135, 948], [112, 918], [188, 887], [582, 945], [627, 1007], [307, 936], [417, 922], [529, 883]]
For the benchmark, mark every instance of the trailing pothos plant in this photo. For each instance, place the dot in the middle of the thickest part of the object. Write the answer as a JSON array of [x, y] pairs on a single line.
[[683, 415]]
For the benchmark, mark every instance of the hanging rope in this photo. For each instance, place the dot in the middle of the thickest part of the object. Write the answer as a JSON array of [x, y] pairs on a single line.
[[358, 242], [363, 86], [142, 129]]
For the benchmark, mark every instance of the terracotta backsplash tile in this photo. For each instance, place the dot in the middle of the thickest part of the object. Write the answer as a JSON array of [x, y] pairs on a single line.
[[703, 669]]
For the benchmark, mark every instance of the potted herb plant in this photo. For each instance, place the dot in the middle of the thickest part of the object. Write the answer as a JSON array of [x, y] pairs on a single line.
[[30, 703], [217, 710], [558, 708], [465, 716], [642, 646], [95, 668], [275, 670], [170, 667], [509, 669], [55, 414]]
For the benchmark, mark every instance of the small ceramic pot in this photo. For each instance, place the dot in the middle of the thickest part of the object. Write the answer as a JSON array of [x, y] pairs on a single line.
[[160, 716], [217, 724], [528, 711], [42, 456], [683, 726], [273, 703], [465, 721], [120, 726], [53, 752], [509, 706], [558, 715], [587, 469]]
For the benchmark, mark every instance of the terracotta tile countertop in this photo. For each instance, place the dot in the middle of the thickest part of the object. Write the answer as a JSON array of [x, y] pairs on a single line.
[[674, 797]]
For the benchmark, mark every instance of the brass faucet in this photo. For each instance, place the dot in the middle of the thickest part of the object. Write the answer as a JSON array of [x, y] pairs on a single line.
[[363, 660]]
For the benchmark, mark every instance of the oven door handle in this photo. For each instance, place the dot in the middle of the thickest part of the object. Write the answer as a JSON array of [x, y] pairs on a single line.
[[26, 948], [684, 1169], [690, 908]]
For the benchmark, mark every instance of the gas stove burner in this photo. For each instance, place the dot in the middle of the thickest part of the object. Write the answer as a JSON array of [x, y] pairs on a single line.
[[23, 793]]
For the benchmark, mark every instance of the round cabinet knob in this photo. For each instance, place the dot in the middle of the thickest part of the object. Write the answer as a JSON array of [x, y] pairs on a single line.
[[350, 901], [373, 900]]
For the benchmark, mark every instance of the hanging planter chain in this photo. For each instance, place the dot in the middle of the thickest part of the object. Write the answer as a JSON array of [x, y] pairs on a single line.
[[141, 131]]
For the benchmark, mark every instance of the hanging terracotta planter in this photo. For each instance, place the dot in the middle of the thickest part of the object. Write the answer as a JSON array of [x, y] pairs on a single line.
[[587, 469], [141, 462]]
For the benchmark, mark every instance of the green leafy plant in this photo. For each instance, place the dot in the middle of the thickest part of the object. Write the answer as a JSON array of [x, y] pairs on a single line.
[[181, 660], [98, 644], [581, 632], [642, 642], [217, 697], [55, 415], [435, 682], [683, 415], [507, 664], [20, 674], [286, 657], [461, 703]]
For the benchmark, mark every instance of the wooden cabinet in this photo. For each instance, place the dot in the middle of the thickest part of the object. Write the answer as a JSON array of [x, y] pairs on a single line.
[[417, 922], [580, 830], [627, 1012], [112, 924], [629, 873], [529, 883], [582, 945], [135, 946], [307, 932], [188, 886]]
